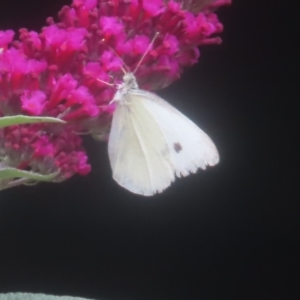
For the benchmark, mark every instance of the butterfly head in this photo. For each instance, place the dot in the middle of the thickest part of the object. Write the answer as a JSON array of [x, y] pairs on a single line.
[[129, 81]]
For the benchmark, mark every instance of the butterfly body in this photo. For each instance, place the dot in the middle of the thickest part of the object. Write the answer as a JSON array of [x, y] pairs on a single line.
[[151, 142]]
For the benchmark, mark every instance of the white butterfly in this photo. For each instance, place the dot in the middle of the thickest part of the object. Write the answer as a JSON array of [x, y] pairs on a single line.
[[151, 142]]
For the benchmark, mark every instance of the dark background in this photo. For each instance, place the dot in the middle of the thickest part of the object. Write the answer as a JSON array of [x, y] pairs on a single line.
[[230, 232]]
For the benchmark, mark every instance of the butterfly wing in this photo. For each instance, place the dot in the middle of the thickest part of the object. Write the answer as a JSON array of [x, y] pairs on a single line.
[[139, 156], [151, 141], [190, 148]]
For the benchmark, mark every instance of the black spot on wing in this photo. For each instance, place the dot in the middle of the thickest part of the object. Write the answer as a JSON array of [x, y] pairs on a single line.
[[177, 147]]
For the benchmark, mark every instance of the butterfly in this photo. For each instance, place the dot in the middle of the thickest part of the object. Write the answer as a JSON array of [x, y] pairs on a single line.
[[151, 142]]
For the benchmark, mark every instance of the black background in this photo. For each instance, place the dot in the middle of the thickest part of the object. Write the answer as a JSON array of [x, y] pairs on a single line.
[[230, 232]]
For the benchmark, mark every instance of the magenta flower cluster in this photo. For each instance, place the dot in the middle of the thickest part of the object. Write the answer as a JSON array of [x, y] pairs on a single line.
[[60, 72]]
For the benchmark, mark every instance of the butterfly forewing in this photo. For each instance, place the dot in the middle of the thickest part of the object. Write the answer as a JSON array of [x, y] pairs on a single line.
[[190, 148]]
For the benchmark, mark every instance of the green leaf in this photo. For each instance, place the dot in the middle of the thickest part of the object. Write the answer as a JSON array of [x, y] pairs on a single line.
[[15, 173], [20, 119], [31, 296]]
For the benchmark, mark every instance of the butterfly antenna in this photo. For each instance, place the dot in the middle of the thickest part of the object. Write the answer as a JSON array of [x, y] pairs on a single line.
[[146, 52], [105, 82]]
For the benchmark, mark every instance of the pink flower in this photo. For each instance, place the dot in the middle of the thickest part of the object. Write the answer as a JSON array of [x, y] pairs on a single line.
[[153, 8], [110, 26], [31, 146], [68, 71], [6, 38], [33, 102]]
